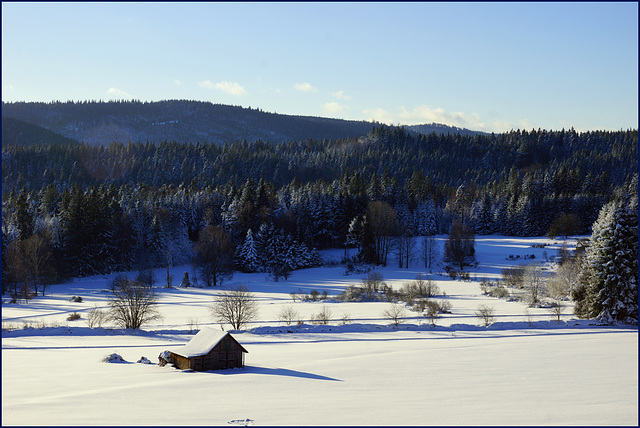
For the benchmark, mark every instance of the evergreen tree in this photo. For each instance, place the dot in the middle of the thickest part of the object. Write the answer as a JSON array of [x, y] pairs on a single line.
[[608, 282], [247, 256]]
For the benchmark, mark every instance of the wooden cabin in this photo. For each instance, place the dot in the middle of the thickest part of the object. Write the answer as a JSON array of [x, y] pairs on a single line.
[[209, 350]]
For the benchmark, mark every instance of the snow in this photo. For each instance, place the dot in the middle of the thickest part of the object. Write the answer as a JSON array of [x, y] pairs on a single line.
[[202, 343], [524, 369]]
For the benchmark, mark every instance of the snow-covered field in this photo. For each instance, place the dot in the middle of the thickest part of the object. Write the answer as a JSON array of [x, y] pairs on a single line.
[[525, 369]]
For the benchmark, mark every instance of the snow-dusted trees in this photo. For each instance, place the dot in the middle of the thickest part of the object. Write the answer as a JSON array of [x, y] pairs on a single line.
[[271, 251], [247, 254], [608, 282]]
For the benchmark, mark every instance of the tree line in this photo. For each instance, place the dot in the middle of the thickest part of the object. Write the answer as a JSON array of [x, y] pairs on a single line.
[[77, 210]]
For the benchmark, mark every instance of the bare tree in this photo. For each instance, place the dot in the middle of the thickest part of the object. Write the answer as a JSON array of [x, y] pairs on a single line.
[[324, 316], [236, 307], [430, 252], [132, 304], [486, 314], [556, 309], [533, 281], [288, 315], [405, 245], [394, 313], [37, 257], [380, 225], [213, 255], [460, 246]]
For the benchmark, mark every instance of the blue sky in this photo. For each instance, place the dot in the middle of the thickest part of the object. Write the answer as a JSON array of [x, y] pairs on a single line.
[[483, 66]]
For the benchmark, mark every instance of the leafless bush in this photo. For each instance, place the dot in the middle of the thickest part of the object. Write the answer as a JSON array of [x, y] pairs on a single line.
[[485, 314], [96, 317], [499, 292], [514, 276], [323, 317], [372, 283], [394, 313], [74, 316], [533, 282], [194, 325], [346, 318], [556, 309], [433, 312], [288, 315]]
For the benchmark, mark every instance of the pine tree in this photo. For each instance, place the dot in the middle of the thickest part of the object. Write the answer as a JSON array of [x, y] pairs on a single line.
[[247, 257], [608, 281]]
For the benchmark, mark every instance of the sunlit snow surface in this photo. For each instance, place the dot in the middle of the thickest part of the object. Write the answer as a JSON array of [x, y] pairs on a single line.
[[525, 369]]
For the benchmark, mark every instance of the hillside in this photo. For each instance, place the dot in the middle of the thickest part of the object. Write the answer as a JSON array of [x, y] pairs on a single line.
[[20, 133], [100, 123]]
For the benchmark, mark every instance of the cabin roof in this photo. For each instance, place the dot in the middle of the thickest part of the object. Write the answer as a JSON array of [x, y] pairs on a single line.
[[203, 342]]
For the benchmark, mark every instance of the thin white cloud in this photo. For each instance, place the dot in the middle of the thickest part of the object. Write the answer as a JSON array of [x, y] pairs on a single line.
[[8, 87], [304, 87], [341, 96], [119, 93], [177, 82], [231, 88], [334, 108], [424, 114], [379, 115]]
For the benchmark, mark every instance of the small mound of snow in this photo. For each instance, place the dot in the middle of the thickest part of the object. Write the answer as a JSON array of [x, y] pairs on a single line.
[[144, 360], [113, 358]]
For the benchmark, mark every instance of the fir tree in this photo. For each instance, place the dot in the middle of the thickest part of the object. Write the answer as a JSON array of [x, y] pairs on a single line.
[[608, 282]]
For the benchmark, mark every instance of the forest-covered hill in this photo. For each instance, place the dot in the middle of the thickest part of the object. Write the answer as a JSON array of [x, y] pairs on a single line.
[[123, 205], [101, 123]]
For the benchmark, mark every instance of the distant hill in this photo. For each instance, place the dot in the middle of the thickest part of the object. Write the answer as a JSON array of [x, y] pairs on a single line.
[[21, 133], [99, 123]]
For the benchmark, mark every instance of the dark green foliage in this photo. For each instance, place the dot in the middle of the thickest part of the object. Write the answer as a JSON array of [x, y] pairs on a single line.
[[608, 281], [138, 205]]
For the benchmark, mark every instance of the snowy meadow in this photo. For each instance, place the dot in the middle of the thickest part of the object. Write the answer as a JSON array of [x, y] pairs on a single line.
[[525, 368]]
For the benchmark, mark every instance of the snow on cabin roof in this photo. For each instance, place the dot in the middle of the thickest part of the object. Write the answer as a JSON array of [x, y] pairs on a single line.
[[202, 343]]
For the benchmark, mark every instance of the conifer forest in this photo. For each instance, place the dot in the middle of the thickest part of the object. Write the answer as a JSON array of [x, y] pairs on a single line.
[[256, 206]]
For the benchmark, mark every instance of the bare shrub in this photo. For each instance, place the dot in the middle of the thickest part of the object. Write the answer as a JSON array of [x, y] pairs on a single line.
[[96, 317], [372, 283], [394, 313], [73, 317], [485, 314], [324, 316], [528, 317], [514, 276], [346, 318], [533, 282], [444, 306], [194, 325], [433, 312], [288, 315], [499, 292], [556, 309]]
